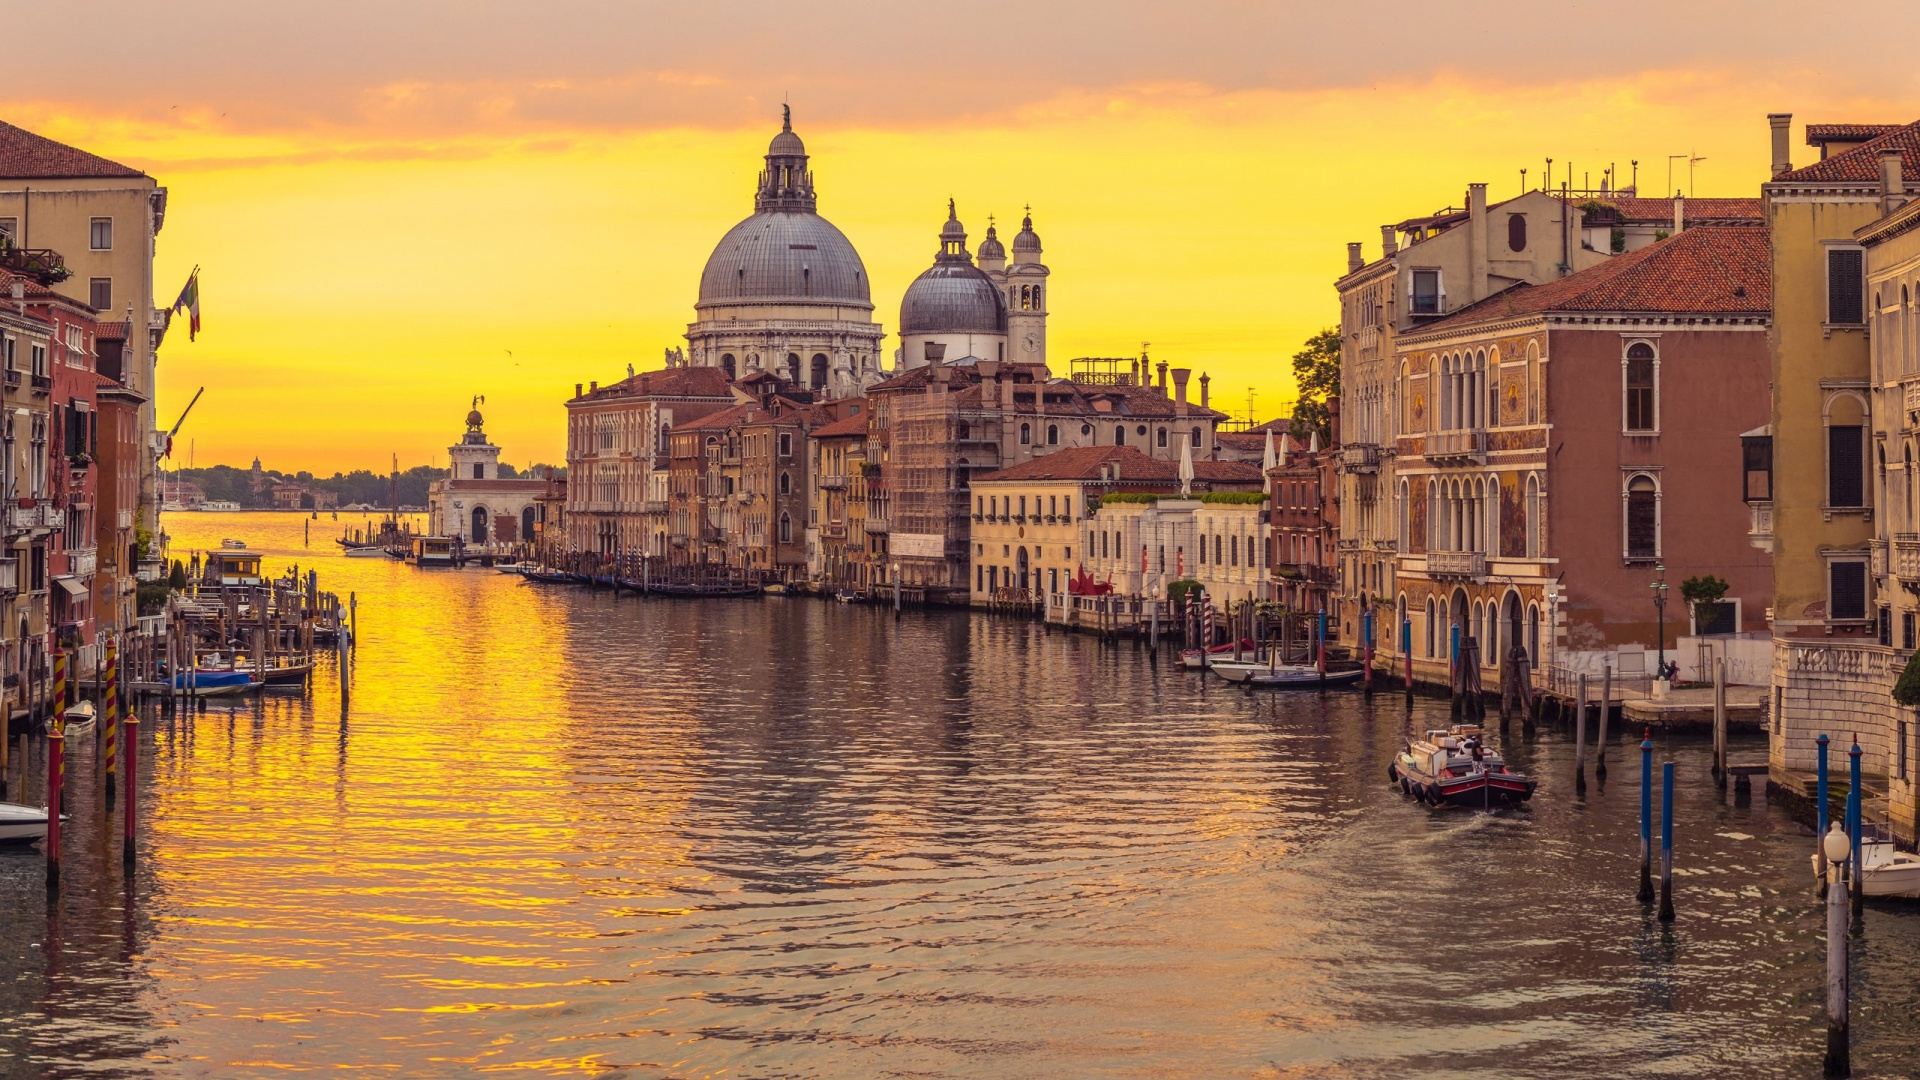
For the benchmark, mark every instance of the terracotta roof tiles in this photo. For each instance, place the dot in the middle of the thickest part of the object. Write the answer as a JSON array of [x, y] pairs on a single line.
[[1707, 269], [1821, 134], [1086, 463], [1861, 164], [24, 155]]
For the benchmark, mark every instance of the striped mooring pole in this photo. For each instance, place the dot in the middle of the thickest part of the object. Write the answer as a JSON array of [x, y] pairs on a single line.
[[60, 700], [110, 716]]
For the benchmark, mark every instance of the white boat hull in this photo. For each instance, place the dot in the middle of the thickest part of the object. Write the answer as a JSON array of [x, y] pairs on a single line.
[[22, 824]]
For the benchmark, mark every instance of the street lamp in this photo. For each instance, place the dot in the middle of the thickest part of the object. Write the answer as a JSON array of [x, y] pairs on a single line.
[[1659, 587]]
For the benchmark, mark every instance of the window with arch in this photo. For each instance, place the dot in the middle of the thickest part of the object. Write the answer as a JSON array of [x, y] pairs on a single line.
[[1196, 438], [786, 529], [1536, 524], [1053, 434], [786, 484], [1233, 551], [1162, 437], [1642, 517], [1641, 391], [1120, 435], [1403, 514], [1026, 434], [1432, 641], [1516, 232], [1533, 634], [1846, 451], [1533, 387]]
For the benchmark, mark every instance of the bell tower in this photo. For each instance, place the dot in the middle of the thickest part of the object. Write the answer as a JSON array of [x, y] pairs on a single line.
[[1027, 298], [473, 457]]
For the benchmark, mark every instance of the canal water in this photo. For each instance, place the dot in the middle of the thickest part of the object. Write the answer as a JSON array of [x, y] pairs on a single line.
[[566, 833]]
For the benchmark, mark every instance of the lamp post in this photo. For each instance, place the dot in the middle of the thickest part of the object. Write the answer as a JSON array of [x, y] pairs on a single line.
[[1659, 587], [1838, 848]]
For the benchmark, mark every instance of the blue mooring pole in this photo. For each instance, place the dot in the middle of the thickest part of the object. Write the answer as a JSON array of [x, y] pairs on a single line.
[[1366, 639], [1406, 654], [1453, 667], [1666, 841], [1820, 804], [1646, 818], [1853, 830]]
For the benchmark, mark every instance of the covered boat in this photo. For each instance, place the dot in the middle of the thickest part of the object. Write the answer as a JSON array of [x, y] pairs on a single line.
[[1452, 767], [1885, 870]]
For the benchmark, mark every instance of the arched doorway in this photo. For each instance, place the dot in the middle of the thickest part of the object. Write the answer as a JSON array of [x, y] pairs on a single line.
[[817, 377], [727, 364], [793, 368], [1020, 565], [1514, 629], [479, 533], [1457, 615], [526, 524]]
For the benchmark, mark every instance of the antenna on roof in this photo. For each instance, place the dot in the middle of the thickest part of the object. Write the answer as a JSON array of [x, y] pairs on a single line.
[[1523, 180]]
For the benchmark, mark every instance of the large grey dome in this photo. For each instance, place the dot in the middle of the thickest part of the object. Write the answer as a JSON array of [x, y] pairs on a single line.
[[785, 255], [952, 297]]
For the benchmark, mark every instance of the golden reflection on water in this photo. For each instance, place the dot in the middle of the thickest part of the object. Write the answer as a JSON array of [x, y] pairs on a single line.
[[567, 833]]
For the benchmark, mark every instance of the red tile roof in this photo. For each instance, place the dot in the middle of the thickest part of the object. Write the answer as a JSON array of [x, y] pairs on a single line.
[[1706, 269], [1821, 134], [1085, 463], [719, 420], [1654, 211], [708, 382], [852, 425], [1861, 164], [24, 156]]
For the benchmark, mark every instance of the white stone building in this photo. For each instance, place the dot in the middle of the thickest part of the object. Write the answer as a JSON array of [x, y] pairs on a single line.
[[475, 504]]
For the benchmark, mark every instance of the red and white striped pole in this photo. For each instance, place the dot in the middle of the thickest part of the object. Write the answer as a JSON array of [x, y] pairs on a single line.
[[56, 766]]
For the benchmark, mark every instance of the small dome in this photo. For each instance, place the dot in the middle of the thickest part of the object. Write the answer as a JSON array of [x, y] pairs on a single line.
[[473, 418], [991, 248], [952, 231], [952, 297], [1028, 240], [786, 144]]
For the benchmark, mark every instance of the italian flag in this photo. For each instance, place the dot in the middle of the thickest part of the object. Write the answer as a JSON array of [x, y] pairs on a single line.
[[190, 301]]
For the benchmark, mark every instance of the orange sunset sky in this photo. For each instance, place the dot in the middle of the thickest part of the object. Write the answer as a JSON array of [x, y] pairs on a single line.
[[399, 205]]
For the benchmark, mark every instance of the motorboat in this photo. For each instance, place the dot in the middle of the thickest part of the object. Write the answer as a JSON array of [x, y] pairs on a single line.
[[278, 675], [22, 824], [1885, 870], [548, 577], [775, 589], [845, 596], [231, 543], [79, 720], [511, 568], [1301, 677], [365, 551], [1452, 767]]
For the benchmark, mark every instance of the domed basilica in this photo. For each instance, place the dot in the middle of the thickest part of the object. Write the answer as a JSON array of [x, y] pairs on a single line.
[[785, 292]]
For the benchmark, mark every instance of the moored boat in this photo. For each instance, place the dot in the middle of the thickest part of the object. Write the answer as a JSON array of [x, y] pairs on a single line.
[[845, 596], [365, 551], [1885, 870], [22, 824], [1452, 767], [80, 718], [1301, 677], [1195, 660]]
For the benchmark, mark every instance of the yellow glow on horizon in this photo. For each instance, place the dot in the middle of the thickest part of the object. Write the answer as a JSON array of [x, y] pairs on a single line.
[[357, 293]]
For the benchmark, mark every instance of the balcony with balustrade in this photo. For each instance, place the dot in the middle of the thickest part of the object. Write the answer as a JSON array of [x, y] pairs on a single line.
[[1360, 458], [1460, 446], [1906, 558], [83, 563], [1471, 565], [833, 483], [876, 525]]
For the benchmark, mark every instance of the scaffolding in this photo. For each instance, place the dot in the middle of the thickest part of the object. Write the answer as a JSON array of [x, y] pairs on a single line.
[[937, 446]]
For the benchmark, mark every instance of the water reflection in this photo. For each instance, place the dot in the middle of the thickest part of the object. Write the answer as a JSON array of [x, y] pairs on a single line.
[[566, 832]]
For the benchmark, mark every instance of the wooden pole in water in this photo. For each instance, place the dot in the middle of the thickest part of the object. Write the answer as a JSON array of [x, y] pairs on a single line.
[[1666, 841], [133, 767], [56, 766], [1720, 720], [1820, 800], [1580, 737], [1646, 818], [1366, 649], [1854, 830], [1606, 713], [110, 716]]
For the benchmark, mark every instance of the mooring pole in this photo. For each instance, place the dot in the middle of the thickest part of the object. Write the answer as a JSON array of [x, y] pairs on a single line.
[[1646, 818], [1406, 652], [1854, 815], [1606, 709], [110, 716], [1839, 1054], [1580, 738], [1820, 800], [1666, 841], [1366, 649]]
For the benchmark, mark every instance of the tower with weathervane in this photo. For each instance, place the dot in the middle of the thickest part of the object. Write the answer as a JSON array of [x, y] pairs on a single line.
[[1024, 283]]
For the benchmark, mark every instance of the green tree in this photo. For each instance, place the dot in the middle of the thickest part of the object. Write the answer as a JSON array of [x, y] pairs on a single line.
[[1703, 595], [1316, 368]]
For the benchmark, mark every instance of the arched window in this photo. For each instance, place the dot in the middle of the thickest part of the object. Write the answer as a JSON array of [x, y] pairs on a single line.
[[1643, 517], [793, 367], [727, 364], [1162, 437], [786, 529], [1233, 551], [1196, 438], [526, 524], [818, 376], [1053, 435], [1516, 232], [1026, 297], [1432, 646], [1037, 305], [1536, 527], [1026, 434], [1120, 435], [479, 534], [786, 484], [1216, 550], [1533, 382], [1533, 634], [1640, 390], [1403, 514]]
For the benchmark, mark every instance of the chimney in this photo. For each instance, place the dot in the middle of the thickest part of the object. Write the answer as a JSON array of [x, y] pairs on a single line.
[[1203, 389], [576, 386], [1354, 259], [593, 386], [1893, 190], [936, 351], [1780, 122], [1478, 284], [1163, 378], [1180, 376], [1389, 243], [1679, 213]]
